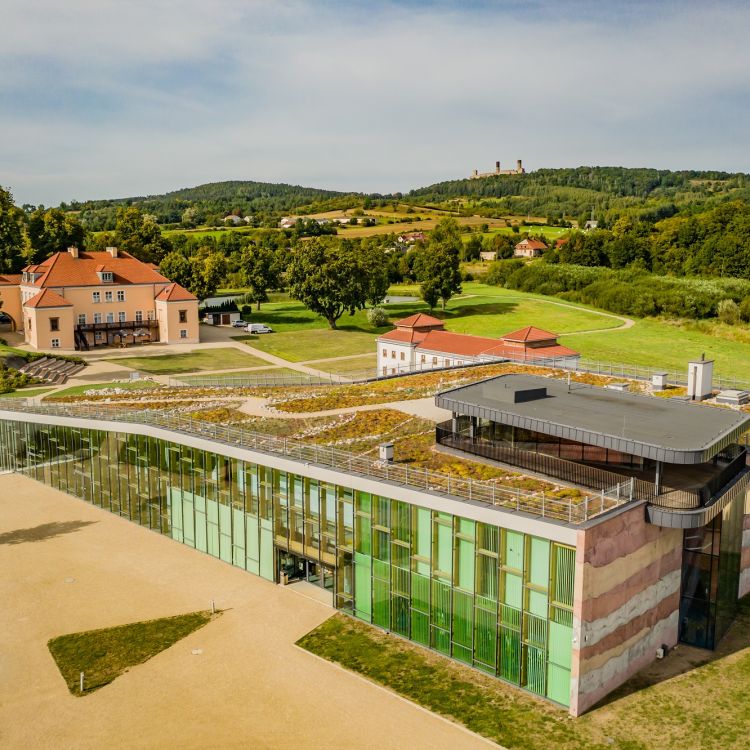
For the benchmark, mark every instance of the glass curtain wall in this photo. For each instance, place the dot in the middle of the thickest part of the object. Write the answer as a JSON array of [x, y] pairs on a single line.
[[496, 599], [711, 562]]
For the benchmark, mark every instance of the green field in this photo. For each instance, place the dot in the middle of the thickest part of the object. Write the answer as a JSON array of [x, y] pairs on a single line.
[[314, 343], [693, 699], [270, 372], [200, 359], [660, 344], [26, 393], [481, 310], [355, 365]]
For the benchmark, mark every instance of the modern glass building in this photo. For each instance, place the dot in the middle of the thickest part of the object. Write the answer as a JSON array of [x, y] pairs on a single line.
[[566, 605], [490, 596]]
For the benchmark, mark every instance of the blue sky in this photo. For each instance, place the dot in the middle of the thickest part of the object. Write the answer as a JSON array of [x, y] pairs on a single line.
[[105, 98]]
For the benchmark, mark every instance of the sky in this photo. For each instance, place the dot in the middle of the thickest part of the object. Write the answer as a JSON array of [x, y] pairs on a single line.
[[112, 98]]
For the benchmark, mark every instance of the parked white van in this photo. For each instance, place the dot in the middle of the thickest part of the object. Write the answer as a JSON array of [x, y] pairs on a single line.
[[258, 328]]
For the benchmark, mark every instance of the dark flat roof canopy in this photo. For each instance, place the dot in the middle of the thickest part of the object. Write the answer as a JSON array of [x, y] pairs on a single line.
[[668, 430]]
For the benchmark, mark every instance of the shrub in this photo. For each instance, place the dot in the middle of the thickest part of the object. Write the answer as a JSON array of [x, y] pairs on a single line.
[[377, 317], [728, 311], [745, 310]]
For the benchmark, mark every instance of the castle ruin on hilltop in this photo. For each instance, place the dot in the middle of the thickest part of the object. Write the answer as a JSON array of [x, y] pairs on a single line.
[[476, 174]]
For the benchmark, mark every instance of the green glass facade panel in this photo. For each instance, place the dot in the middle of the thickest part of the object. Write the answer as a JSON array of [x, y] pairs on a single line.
[[513, 590], [381, 603], [535, 670], [252, 546], [513, 550], [441, 604], [465, 562], [174, 508], [485, 637], [560, 647], [238, 538], [420, 592], [363, 586], [441, 640], [510, 655], [558, 684], [537, 604], [266, 550], [420, 627], [400, 615], [473, 591], [463, 619], [538, 574]]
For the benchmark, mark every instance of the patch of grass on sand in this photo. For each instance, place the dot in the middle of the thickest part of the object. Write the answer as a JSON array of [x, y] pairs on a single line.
[[103, 655]]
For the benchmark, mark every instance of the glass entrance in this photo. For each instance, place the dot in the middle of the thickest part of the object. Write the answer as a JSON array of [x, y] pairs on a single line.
[[297, 568]]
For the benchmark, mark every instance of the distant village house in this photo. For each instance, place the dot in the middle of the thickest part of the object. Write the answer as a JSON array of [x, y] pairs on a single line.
[[530, 248]]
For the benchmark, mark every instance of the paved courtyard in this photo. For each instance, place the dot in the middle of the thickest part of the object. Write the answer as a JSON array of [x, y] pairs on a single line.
[[66, 566]]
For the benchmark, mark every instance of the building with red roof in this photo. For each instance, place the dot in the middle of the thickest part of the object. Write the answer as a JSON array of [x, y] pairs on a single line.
[[420, 342], [79, 300], [530, 248]]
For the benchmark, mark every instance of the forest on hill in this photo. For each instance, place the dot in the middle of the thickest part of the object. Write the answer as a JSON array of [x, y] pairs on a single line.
[[572, 194], [204, 204]]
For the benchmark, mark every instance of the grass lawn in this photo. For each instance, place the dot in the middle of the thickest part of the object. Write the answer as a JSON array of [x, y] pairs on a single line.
[[195, 361], [26, 393], [670, 345], [229, 376], [656, 709], [481, 309], [367, 362], [130, 385], [313, 343], [104, 655]]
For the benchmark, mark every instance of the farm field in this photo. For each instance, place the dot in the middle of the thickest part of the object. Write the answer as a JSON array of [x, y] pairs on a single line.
[[195, 361]]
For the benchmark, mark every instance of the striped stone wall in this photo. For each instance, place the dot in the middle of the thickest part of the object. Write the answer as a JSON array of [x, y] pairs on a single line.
[[626, 604], [744, 588]]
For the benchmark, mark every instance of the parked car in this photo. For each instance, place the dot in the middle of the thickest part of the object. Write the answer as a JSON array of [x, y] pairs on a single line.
[[258, 328], [239, 324]]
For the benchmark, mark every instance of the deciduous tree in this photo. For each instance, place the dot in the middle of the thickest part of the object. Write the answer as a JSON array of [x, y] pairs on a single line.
[[436, 265], [13, 239], [330, 279], [53, 231]]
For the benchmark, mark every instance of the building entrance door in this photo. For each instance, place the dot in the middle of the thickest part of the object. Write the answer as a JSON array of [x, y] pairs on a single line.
[[297, 568]]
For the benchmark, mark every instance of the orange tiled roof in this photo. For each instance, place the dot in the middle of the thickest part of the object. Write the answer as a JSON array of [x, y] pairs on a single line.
[[530, 333], [62, 270], [403, 336], [47, 298], [419, 320], [532, 243], [175, 293], [462, 344], [10, 279], [528, 352]]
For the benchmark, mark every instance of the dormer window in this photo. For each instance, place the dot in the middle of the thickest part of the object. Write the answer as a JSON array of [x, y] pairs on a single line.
[[106, 277]]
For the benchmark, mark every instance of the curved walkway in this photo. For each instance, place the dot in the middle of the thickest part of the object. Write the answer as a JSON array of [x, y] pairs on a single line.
[[418, 407]]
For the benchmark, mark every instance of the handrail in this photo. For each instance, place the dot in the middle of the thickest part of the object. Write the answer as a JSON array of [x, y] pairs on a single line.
[[572, 510]]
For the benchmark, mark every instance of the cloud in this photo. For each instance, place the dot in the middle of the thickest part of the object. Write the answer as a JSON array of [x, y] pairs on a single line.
[[102, 99]]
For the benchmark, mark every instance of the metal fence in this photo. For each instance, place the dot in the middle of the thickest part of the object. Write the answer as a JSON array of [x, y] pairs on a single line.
[[571, 509], [567, 364]]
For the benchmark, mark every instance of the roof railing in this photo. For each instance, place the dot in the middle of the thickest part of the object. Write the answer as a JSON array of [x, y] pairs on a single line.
[[545, 504]]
